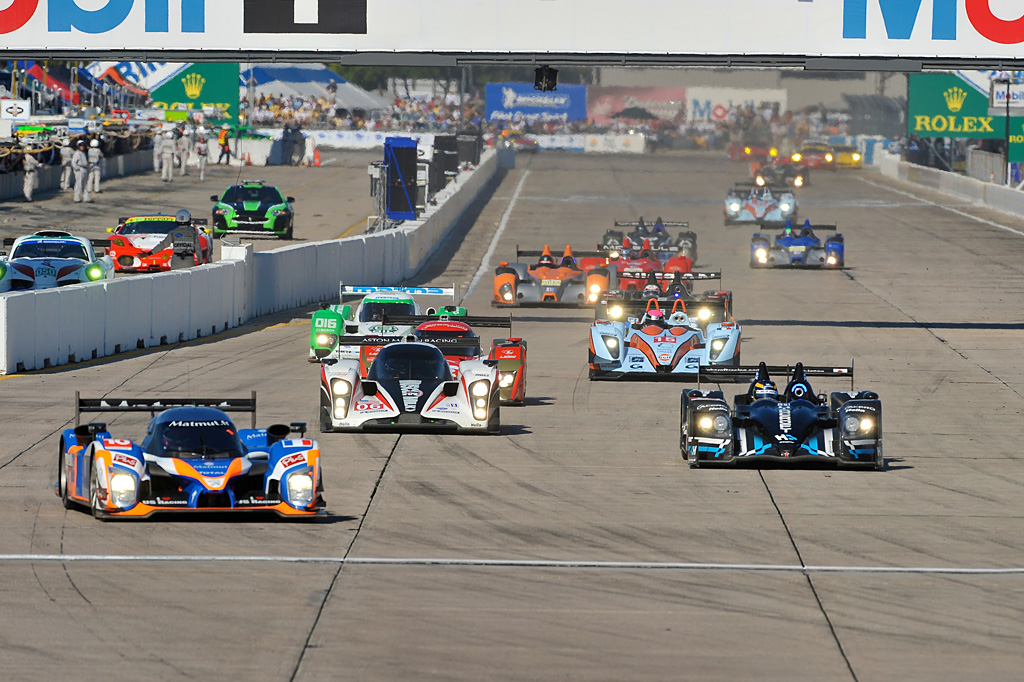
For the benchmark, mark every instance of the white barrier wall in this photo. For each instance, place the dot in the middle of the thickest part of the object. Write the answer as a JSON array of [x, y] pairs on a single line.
[[995, 196], [61, 326]]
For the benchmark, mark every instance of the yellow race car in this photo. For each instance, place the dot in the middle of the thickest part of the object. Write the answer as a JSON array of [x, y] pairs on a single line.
[[848, 157]]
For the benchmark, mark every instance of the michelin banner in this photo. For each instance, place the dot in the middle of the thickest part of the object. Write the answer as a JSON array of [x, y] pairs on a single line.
[[988, 29], [520, 103]]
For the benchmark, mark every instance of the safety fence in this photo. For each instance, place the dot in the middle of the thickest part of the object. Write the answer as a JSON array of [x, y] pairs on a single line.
[[71, 324]]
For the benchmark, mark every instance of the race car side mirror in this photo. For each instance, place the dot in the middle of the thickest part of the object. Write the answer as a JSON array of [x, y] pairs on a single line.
[[299, 428], [291, 200], [450, 389], [325, 306], [431, 311], [370, 387], [352, 328], [213, 198]]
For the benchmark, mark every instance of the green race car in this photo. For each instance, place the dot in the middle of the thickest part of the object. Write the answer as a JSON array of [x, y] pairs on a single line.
[[366, 317], [253, 208]]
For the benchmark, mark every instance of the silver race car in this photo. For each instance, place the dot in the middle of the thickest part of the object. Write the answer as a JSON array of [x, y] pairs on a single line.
[[409, 386], [52, 258]]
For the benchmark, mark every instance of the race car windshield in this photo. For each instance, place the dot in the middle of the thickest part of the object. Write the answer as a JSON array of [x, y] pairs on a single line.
[[147, 227], [51, 249], [263, 195], [195, 440], [438, 338], [374, 311], [415, 363]]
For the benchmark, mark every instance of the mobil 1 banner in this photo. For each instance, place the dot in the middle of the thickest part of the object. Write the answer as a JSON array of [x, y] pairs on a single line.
[[923, 29], [520, 103]]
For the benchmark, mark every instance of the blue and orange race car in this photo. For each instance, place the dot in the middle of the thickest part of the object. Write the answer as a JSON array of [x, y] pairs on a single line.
[[192, 459], [756, 204]]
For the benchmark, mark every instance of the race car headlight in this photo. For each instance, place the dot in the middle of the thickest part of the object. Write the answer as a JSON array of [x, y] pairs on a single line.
[[300, 488], [93, 273], [506, 293], [220, 211], [832, 260], [340, 390], [613, 254], [829, 157], [704, 313], [773, 152], [718, 344], [321, 339], [798, 181], [761, 254], [278, 213], [853, 425], [612, 344], [734, 206], [746, 150], [479, 388], [796, 157], [592, 298], [3, 270], [122, 489], [718, 424], [615, 312], [759, 180], [506, 379], [785, 206], [595, 288], [117, 242], [856, 157]]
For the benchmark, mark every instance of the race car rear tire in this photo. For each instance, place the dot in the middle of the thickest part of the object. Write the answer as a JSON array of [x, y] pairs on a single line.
[[62, 478]]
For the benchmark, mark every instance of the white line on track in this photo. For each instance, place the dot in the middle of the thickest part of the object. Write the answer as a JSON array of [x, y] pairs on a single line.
[[503, 563], [486, 261], [944, 207]]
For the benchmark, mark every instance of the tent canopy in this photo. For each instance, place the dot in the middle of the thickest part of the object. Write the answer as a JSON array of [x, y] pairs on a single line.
[[307, 80]]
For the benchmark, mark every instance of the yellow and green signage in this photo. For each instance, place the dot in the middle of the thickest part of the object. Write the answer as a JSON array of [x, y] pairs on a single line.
[[946, 105], [201, 86]]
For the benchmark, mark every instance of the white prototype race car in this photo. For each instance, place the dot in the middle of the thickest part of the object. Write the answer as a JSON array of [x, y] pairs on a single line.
[[409, 386]]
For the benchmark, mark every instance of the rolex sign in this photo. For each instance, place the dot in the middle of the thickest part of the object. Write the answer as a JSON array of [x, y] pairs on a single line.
[[199, 87]]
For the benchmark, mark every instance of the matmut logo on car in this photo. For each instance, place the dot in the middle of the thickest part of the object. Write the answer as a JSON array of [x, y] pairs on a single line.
[[901, 17], [258, 16]]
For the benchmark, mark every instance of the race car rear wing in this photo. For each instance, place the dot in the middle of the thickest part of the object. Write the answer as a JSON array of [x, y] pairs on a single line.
[[616, 309], [471, 320], [345, 290], [96, 243], [534, 253], [636, 223], [196, 221], [685, 276], [154, 405], [439, 341], [745, 373]]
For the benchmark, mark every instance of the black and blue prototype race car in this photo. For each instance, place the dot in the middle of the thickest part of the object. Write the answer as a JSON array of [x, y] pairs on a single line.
[[798, 248], [794, 425]]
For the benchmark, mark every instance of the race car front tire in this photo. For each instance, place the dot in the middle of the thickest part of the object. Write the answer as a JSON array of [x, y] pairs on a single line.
[[325, 421], [94, 500], [494, 424], [62, 477]]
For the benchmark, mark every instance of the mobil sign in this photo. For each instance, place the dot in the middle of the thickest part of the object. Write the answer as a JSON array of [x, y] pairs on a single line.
[[998, 22]]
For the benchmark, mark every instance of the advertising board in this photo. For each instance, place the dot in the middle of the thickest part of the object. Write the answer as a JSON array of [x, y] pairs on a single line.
[[519, 102], [949, 105], [666, 104], [989, 29], [713, 104]]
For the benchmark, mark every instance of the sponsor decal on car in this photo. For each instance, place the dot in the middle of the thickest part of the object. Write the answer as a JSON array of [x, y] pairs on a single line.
[[665, 339], [292, 460], [120, 458], [550, 282]]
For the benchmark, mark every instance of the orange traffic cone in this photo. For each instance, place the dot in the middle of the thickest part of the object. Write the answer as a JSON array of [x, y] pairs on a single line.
[[248, 159], [316, 158]]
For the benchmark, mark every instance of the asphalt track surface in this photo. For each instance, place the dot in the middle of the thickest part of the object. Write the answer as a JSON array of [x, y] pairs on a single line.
[[578, 545]]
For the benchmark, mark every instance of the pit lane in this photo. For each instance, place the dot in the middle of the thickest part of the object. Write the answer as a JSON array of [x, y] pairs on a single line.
[[578, 544]]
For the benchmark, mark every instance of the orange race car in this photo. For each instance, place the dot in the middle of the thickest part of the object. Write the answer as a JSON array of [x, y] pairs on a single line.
[[135, 236], [565, 282]]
